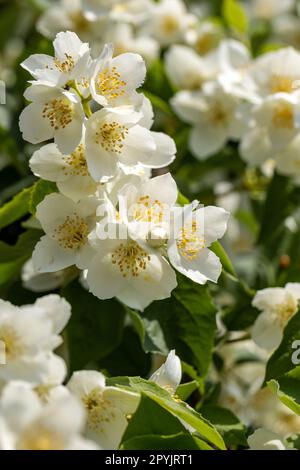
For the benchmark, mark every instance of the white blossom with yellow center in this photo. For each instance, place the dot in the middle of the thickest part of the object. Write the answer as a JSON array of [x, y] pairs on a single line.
[[278, 305], [27, 424], [52, 113], [70, 172], [216, 114], [107, 408], [121, 136], [115, 79], [30, 333], [195, 229], [71, 59], [67, 225]]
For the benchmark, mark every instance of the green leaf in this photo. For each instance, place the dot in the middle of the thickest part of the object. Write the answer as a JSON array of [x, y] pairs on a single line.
[[39, 191], [180, 441], [128, 358], [184, 391], [188, 323], [15, 209], [281, 360], [160, 104], [180, 409], [287, 390], [276, 207], [95, 328], [235, 15], [23, 247], [228, 425]]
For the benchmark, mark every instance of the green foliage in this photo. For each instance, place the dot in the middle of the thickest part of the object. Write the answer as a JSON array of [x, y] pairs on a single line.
[[228, 425], [235, 16], [185, 322], [95, 328]]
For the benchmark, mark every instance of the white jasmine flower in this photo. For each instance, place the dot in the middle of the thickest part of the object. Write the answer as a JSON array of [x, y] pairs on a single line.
[[268, 9], [263, 439], [70, 15], [70, 172], [28, 425], [275, 125], [169, 374], [187, 70], [107, 407], [53, 113], [135, 273], [30, 333], [115, 80], [278, 305], [205, 37], [115, 136], [71, 59], [188, 248], [169, 21], [276, 72], [132, 11], [42, 282], [126, 39], [288, 160], [216, 115], [67, 225]]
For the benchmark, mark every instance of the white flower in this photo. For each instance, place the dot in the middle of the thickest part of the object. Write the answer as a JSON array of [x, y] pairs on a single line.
[[288, 160], [187, 70], [278, 305], [194, 232], [67, 225], [268, 9], [125, 39], [263, 439], [25, 424], [115, 136], [107, 407], [276, 72], [71, 59], [53, 113], [70, 172], [169, 21], [205, 37], [134, 273], [70, 15], [216, 115], [30, 333], [275, 125], [115, 80], [41, 282], [169, 374], [132, 11]]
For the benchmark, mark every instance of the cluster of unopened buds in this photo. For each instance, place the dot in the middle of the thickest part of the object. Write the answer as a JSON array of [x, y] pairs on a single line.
[[110, 218]]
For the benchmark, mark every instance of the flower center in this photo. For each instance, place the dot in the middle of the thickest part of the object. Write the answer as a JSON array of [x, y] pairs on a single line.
[[131, 259], [285, 311], [72, 233], [217, 114], [65, 66], [170, 24], [111, 136], [205, 44], [283, 116], [99, 410], [76, 163], [12, 342], [59, 111], [145, 211], [189, 243], [38, 438], [110, 84], [282, 84]]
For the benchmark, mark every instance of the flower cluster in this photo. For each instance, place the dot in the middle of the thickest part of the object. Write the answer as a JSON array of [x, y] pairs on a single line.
[[110, 219], [38, 412]]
